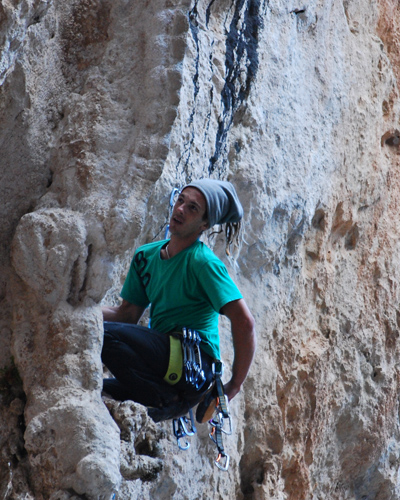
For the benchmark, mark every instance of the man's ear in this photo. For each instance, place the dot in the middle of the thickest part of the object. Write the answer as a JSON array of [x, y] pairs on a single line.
[[204, 226]]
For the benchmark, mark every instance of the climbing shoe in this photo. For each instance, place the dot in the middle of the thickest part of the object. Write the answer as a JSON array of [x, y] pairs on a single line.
[[206, 408]]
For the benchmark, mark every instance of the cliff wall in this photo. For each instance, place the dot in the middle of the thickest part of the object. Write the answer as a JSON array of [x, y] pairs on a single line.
[[106, 107]]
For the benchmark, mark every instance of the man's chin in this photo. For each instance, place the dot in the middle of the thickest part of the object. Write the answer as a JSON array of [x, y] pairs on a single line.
[[175, 225]]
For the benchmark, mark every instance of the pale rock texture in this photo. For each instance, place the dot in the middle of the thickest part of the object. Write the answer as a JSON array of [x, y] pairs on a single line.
[[105, 108]]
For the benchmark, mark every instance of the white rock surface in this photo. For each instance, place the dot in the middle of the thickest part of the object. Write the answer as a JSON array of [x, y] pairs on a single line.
[[105, 107]]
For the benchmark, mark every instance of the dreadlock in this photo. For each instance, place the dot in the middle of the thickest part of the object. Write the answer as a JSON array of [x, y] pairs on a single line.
[[232, 236]]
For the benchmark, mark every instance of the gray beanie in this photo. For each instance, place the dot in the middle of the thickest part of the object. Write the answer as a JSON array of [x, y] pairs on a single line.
[[223, 204]]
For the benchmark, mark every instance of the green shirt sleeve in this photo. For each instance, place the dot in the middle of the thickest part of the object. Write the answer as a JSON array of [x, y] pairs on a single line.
[[133, 289], [217, 284]]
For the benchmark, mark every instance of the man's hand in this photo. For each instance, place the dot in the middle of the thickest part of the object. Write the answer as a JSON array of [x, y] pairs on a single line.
[[124, 313], [244, 343]]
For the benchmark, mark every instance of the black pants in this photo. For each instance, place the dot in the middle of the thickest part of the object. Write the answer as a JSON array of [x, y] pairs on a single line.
[[138, 358]]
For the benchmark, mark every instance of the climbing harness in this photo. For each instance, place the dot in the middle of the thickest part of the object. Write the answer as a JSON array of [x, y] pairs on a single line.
[[175, 370], [185, 359], [185, 426]]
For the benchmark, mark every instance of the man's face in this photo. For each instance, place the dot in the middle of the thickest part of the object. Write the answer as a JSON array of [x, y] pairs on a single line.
[[187, 219]]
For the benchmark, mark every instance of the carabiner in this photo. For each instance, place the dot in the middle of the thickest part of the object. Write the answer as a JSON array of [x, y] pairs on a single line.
[[171, 198], [183, 422], [221, 465], [179, 433], [218, 422], [230, 431], [171, 205], [183, 447]]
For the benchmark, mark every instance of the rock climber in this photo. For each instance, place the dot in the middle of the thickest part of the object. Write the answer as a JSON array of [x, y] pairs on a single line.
[[187, 287]]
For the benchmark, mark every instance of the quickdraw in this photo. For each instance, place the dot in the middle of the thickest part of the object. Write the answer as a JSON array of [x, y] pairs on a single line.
[[222, 460], [185, 426], [194, 374], [222, 414]]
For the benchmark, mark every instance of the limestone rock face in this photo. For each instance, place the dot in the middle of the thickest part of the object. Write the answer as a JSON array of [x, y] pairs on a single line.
[[105, 108]]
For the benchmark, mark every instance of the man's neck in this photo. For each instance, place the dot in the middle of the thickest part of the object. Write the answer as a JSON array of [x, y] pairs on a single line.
[[177, 245]]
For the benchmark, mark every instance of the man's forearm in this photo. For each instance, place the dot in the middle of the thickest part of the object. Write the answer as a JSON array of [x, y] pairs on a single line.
[[243, 359], [113, 313], [244, 343], [124, 313]]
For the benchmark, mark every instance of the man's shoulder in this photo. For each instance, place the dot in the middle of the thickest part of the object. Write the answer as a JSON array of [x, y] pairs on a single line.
[[202, 254], [149, 247]]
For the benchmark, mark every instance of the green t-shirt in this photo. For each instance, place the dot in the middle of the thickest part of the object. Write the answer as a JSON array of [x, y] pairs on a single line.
[[187, 290]]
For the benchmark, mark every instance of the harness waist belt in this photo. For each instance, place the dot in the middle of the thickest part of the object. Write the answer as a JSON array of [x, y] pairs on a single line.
[[185, 358], [175, 365]]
